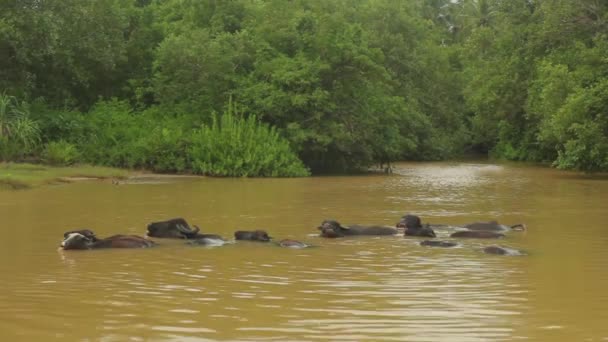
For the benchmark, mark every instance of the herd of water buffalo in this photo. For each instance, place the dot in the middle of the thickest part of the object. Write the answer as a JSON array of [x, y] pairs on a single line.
[[410, 225]]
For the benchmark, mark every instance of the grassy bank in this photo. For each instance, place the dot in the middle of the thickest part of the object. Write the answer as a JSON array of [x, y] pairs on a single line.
[[23, 176]]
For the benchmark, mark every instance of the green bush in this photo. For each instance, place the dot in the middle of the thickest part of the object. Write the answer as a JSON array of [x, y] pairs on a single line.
[[162, 149], [19, 134], [9, 150], [60, 153], [112, 134], [586, 151], [69, 125], [235, 146], [109, 135]]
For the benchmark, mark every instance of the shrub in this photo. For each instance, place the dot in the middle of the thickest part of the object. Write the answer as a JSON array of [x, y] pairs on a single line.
[[162, 150], [60, 153], [110, 133], [586, 151], [19, 134], [236, 146]]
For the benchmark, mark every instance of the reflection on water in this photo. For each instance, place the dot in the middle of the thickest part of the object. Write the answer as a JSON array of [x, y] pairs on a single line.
[[353, 289]]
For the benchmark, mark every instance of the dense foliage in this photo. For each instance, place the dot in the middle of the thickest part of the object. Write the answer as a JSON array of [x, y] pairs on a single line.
[[340, 85], [18, 132]]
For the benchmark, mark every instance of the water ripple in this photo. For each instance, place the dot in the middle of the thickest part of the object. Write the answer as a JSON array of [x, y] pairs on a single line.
[[367, 289]]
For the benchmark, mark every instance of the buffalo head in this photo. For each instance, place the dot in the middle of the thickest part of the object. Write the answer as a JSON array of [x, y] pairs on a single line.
[[75, 240], [409, 221], [331, 229], [85, 232]]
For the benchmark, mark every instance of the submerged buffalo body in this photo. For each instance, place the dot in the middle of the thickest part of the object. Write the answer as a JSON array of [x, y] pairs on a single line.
[[76, 240], [477, 234], [425, 231], [176, 228], [493, 226], [208, 240], [498, 250], [287, 243], [434, 243], [480, 230], [333, 229], [254, 235]]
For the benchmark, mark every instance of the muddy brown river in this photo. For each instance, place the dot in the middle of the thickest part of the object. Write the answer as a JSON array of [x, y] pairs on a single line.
[[350, 289]]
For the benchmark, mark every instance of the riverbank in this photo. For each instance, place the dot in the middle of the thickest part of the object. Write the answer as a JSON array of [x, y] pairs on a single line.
[[24, 176]]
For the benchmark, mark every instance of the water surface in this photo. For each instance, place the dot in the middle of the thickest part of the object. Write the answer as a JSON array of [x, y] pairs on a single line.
[[355, 289]]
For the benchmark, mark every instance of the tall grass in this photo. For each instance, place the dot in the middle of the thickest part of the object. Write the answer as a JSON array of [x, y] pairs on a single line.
[[237, 146], [19, 134]]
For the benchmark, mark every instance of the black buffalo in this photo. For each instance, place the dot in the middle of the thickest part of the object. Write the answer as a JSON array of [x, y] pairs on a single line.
[[76, 240], [333, 229], [414, 227]]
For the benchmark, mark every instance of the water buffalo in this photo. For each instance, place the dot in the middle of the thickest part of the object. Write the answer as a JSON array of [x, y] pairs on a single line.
[[333, 229], [292, 244], [412, 221], [176, 228], [75, 240], [478, 234], [414, 227], [255, 235], [493, 226], [409, 221], [497, 250], [434, 243]]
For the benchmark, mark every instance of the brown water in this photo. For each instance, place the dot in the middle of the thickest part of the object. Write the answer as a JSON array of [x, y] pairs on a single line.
[[355, 289]]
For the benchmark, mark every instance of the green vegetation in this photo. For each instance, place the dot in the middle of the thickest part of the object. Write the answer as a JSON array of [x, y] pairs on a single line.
[[22, 175], [60, 153], [321, 86], [18, 133], [235, 146]]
